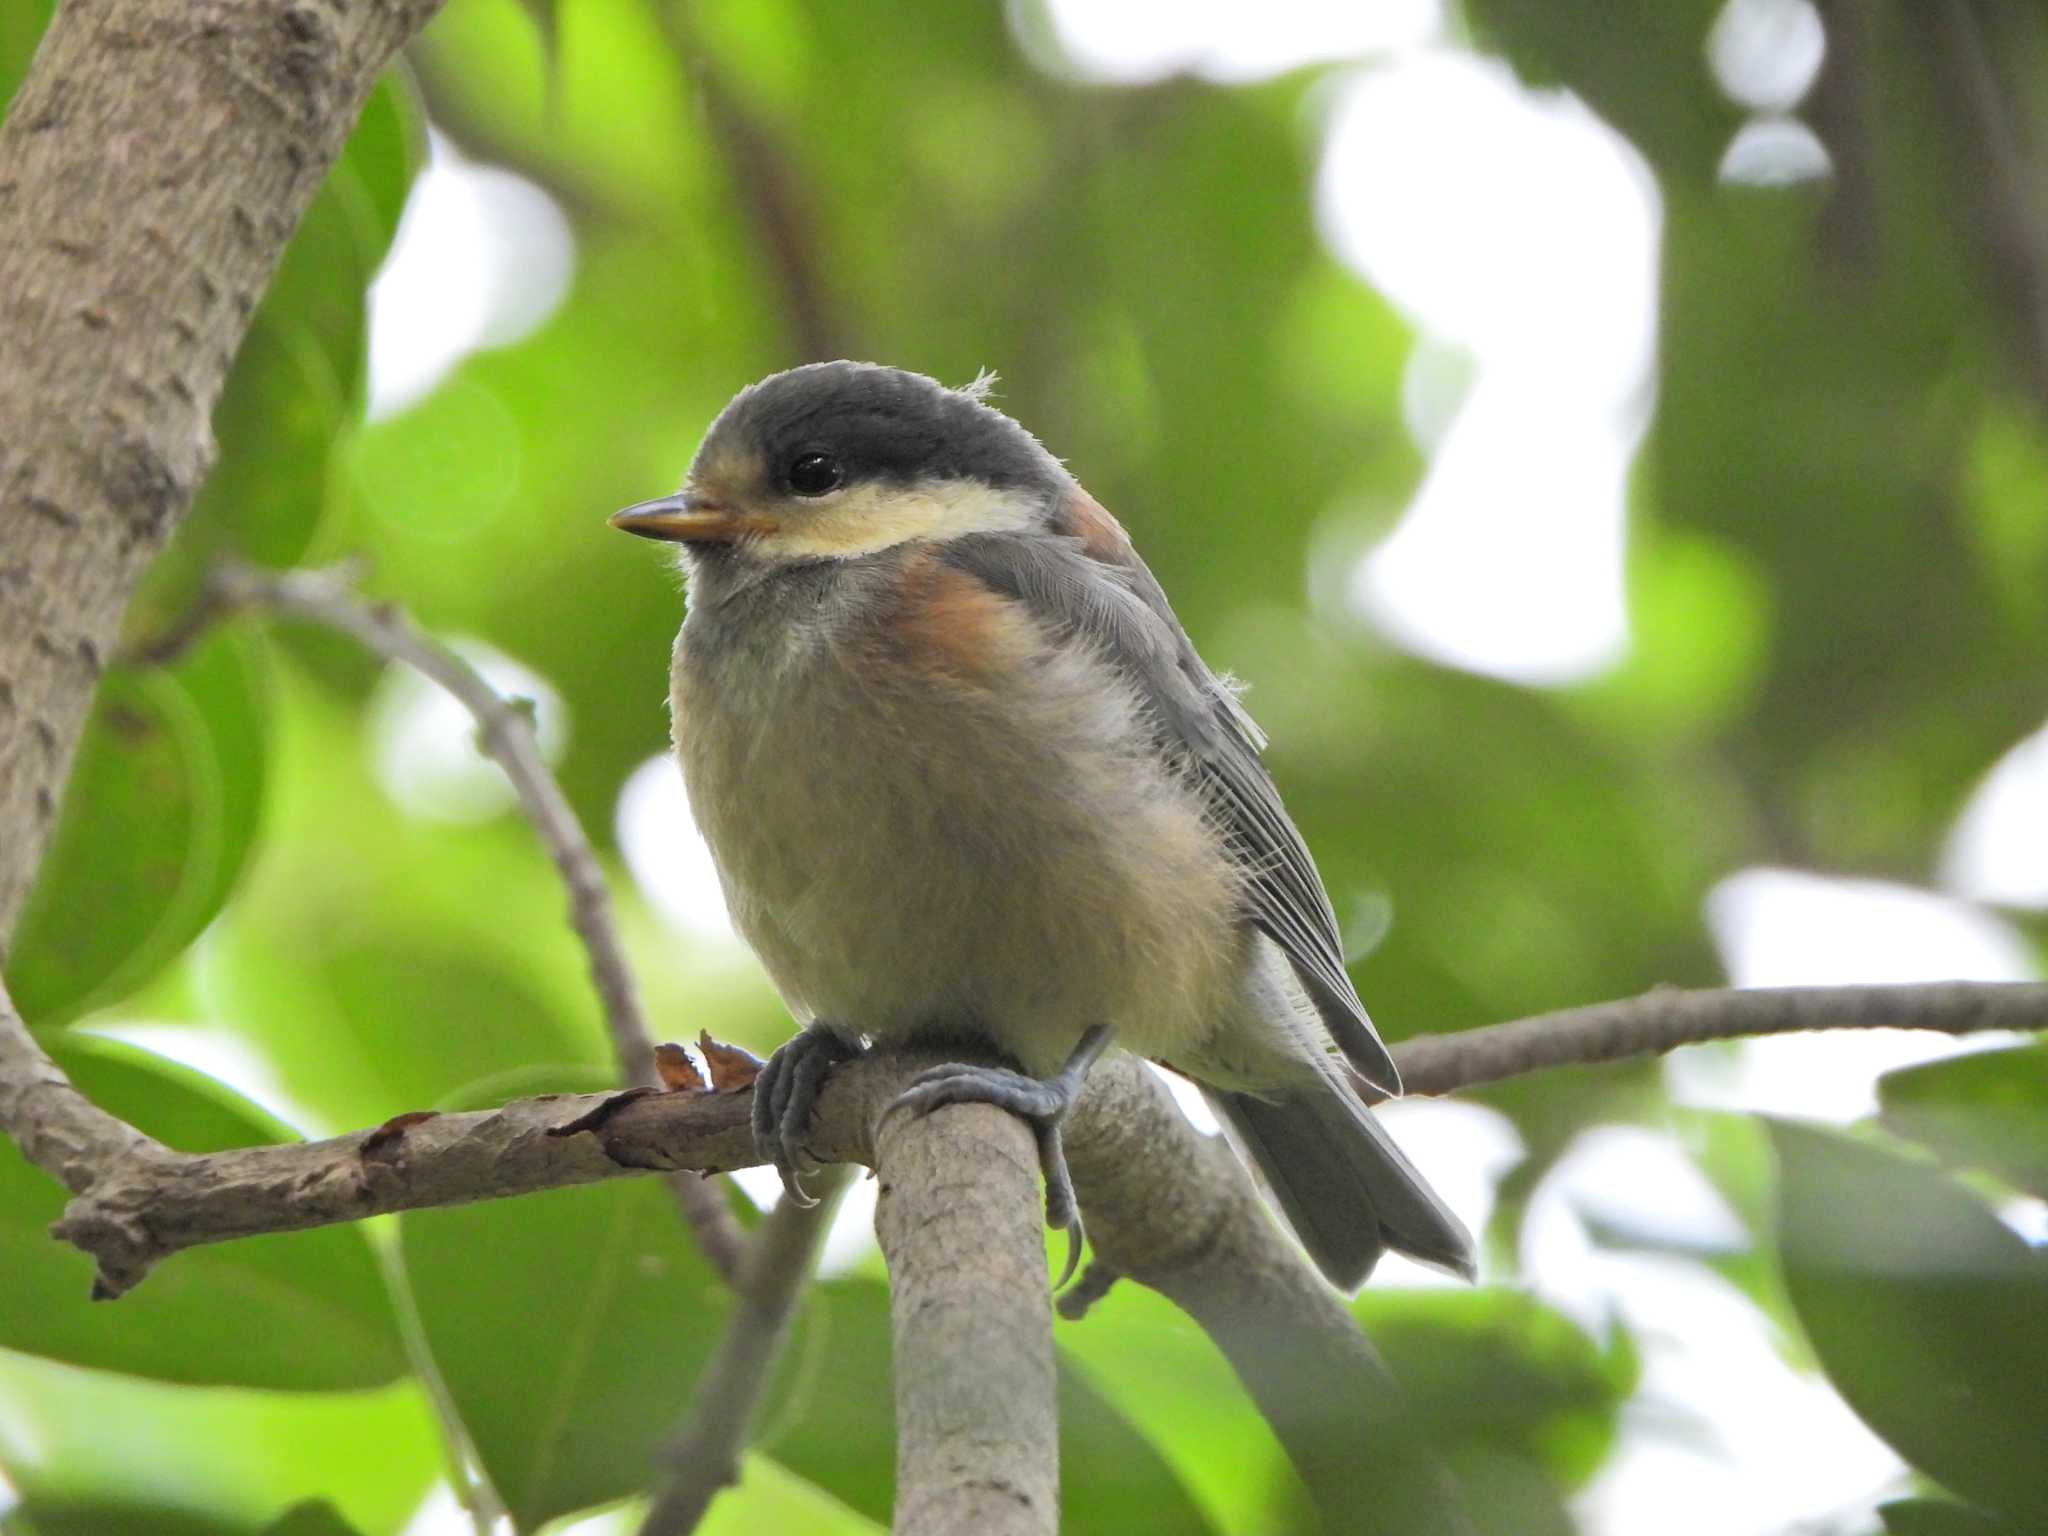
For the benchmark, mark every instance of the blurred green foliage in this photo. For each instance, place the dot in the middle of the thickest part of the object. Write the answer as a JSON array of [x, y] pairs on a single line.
[[1838, 552]]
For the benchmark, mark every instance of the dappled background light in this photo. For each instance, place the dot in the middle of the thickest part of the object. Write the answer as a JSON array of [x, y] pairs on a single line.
[[670, 861], [482, 258], [424, 742], [1787, 928], [1516, 227], [1999, 848]]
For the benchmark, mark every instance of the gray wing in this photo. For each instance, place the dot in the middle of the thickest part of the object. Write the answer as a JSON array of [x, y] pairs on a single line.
[[1095, 585]]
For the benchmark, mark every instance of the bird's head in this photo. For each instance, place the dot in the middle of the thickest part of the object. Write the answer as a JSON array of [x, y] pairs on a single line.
[[833, 461]]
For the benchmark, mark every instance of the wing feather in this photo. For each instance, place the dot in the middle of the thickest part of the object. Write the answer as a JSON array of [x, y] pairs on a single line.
[[1090, 581]]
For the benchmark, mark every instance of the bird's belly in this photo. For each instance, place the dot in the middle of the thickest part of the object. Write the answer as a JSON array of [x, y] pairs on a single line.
[[929, 860]]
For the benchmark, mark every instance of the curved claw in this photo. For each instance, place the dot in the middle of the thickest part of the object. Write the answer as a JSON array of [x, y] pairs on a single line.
[[785, 1094], [1062, 1209], [1074, 1236]]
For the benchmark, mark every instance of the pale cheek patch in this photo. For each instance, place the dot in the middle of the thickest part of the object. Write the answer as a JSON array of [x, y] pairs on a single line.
[[869, 518]]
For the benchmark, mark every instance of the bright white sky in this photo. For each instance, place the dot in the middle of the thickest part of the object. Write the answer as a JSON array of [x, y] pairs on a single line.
[[1520, 236]]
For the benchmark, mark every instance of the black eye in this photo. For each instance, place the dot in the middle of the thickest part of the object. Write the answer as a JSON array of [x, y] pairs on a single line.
[[813, 474]]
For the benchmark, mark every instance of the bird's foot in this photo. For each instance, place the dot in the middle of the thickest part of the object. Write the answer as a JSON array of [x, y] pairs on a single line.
[[785, 1094], [1041, 1103]]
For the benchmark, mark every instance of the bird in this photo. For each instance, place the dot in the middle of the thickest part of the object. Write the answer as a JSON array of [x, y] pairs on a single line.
[[967, 782]]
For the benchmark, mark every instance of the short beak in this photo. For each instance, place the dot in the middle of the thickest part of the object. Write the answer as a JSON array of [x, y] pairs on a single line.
[[689, 518]]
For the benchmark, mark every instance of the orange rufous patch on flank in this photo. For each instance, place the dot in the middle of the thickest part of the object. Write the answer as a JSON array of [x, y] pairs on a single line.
[[731, 1068], [946, 621], [677, 1072]]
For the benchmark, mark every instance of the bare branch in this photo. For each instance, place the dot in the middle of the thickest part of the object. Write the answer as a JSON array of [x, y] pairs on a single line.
[[131, 260], [453, 1159], [970, 1312], [57, 1127], [1666, 1017], [704, 1456], [505, 734]]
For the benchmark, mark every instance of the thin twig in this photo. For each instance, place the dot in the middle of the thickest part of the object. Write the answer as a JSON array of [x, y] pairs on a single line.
[[704, 1456], [505, 734], [1665, 1018]]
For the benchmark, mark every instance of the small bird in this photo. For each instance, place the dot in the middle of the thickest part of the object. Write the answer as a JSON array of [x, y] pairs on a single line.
[[965, 779]]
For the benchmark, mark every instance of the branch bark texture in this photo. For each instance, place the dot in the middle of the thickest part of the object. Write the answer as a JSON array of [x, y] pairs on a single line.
[[1668, 1017], [152, 167], [970, 1312]]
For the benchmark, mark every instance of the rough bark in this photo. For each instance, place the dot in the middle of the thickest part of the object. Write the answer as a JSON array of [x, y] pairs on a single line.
[[152, 168], [970, 1311], [1666, 1018]]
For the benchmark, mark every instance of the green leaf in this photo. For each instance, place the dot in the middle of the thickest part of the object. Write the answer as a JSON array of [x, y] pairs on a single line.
[[1924, 1310], [568, 1327], [1940, 1517], [21, 28], [1161, 1372], [1988, 1109], [94, 1454], [156, 826], [385, 151], [294, 1310], [769, 1498], [48, 1517], [1552, 1396], [315, 1517], [1111, 1477]]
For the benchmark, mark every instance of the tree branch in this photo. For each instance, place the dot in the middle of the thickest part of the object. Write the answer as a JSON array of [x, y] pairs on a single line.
[[57, 1128], [1665, 1018], [704, 1456], [131, 259], [129, 1213], [505, 734], [970, 1314]]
